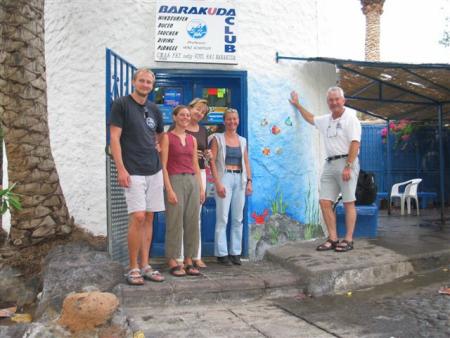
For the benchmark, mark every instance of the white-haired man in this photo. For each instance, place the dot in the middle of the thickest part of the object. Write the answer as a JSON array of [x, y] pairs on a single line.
[[341, 131]]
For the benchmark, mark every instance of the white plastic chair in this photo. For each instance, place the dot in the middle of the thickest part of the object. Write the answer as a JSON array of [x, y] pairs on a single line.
[[411, 193], [395, 193], [406, 196]]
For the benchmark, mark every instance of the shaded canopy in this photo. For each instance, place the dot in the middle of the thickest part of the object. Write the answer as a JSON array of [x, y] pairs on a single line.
[[394, 91]]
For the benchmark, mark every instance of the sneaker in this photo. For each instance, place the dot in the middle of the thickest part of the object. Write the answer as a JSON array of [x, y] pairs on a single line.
[[236, 260], [224, 261]]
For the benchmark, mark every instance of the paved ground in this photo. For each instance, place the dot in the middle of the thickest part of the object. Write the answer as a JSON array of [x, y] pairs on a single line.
[[408, 307], [254, 319], [267, 300]]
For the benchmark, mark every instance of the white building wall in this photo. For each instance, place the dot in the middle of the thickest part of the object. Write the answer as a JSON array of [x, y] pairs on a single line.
[[77, 33]]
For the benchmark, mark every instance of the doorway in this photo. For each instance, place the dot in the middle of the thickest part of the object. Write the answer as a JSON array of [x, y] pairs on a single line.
[[222, 89]]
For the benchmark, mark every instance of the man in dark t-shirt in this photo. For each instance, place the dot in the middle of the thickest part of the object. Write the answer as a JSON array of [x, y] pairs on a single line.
[[136, 126]]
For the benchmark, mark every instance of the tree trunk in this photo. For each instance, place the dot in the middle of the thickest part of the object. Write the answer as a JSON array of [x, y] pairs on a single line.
[[372, 9], [23, 111]]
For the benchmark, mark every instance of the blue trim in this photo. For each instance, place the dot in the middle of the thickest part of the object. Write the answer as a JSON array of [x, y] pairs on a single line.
[[388, 162], [441, 164], [117, 83], [107, 96]]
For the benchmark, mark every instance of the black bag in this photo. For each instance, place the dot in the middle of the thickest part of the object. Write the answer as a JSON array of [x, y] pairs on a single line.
[[366, 188]]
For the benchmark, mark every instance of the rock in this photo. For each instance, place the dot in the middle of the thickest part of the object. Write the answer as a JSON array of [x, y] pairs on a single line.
[[278, 230], [87, 310], [261, 248], [15, 288], [17, 330], [89, 288], [47, 330], [71, 267], [119, 326]]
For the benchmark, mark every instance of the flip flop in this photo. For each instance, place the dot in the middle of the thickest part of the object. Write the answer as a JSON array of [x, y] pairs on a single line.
[[191, 271], [152, 275], [177, 271]]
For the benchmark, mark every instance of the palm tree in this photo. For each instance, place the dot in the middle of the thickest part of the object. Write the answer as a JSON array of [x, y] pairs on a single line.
[[23, 113], [372, 9]]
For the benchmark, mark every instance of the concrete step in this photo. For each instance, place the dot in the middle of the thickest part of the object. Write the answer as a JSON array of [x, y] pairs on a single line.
[[372, 262], [217, 284]]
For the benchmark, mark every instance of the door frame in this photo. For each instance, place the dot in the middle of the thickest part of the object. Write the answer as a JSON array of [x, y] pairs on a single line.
[[168, 74]]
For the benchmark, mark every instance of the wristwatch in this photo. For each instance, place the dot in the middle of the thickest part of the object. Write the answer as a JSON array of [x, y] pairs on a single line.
[[349, 165]]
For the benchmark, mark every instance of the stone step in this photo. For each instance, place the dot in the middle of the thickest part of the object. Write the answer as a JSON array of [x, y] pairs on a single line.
[[370, 263], [218, 284]]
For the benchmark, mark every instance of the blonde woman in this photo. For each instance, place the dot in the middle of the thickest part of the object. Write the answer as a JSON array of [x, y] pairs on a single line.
[[231, 170], [199, 108]]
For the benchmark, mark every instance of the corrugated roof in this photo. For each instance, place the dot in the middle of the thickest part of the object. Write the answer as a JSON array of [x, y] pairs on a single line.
[[393, 90]]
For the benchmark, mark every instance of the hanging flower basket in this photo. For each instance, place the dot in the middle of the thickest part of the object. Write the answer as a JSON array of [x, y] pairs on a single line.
[[402, 130]]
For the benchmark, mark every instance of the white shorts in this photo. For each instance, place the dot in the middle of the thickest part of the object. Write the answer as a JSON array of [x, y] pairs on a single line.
[[145, 193], [331, 182]]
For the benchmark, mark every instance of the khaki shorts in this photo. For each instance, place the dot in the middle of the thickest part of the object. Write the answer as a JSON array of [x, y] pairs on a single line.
[[331, 182], [145, 193]]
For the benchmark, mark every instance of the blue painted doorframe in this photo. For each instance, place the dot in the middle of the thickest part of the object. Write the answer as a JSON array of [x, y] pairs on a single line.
[[192, 83]]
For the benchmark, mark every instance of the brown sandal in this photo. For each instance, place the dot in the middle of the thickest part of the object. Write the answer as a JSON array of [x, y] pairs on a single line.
[[325, 247], [344, 246], [191, 270], [177, 271]]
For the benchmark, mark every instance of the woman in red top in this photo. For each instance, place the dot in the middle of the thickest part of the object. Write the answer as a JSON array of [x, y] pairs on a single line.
[[184, 193]]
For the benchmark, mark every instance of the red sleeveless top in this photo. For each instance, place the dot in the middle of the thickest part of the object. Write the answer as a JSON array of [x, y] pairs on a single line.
[[179, 160]]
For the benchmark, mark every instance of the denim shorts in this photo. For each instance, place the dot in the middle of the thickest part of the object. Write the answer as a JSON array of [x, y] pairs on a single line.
[[331, 182]]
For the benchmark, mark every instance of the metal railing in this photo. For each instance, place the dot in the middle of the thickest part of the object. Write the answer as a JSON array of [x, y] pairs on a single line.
[[119, 74]]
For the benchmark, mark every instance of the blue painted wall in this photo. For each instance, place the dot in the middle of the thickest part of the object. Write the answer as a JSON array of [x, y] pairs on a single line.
[[281, 152]]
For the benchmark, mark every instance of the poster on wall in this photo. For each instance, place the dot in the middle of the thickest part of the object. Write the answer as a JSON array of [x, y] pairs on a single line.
[[196, 31]]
